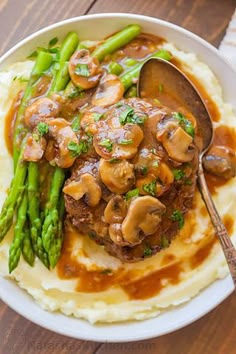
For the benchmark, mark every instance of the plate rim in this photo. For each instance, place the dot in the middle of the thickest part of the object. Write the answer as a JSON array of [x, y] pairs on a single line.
[[120, 338]]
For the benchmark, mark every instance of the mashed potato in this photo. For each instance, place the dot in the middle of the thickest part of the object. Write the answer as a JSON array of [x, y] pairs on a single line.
[[196, 255]]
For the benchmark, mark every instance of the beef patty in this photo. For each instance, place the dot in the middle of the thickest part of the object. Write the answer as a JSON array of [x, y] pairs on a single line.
[[131, 190]]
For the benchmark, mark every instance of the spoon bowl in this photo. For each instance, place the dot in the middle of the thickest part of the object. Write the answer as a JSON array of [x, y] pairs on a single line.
[[160, 75]]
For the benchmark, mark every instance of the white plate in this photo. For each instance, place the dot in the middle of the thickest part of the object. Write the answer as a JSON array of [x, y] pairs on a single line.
[[97, 27]]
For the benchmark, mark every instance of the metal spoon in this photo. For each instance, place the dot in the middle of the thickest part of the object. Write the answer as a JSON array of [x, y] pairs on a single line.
[[156, 72]]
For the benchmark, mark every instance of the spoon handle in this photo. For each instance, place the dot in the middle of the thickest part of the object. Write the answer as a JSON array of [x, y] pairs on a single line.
[[221, 232]]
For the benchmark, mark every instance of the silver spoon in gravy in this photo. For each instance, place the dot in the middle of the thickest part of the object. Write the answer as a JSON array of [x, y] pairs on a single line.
[[158, 75]]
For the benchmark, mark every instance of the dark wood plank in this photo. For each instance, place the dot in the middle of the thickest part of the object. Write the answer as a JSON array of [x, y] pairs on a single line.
[[207, 18], [214, 333], [19, 18], [19, 336]]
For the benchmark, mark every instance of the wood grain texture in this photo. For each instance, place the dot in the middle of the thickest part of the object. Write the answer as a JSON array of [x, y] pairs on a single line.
[[215, 332], [207, 18], [19, 18]]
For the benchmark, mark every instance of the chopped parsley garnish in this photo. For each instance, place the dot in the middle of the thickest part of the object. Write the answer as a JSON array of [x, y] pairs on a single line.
[[144, 170], [153, 151], [185, 123], [97, 116], [33, 54], [188, 182], [129, 116], [114, 160], [177, 215], [82, 70], [126, 114], [164, 242], [76, 92], [35, 137], [78, 149], [126, 141], [155, 163], [178, 174], [92, 234], [75, 125], [147, 252], [150, 188], [53, 42], [106, 271], [106, 143], [160, 88], [42, 128], [131, 194]]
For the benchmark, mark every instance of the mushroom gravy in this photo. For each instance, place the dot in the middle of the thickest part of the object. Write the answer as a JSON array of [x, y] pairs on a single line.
[[100, 280]]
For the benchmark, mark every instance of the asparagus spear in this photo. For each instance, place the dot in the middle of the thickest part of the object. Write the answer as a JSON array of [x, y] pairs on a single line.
[[60, 79], [15, 248], [27, 248], [128, 78], [51, 238], [116, 41], [13, 199], [42, 64], [34, 213]]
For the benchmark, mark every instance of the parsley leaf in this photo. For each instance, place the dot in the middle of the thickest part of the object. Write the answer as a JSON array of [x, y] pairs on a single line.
[[78, 149], [131, 194], [147, 252], [164, 242], [177, 215], [107, 144], [97, 116], [114, 160], [150, 188], [106, 271], [127, 113], [185, 123], [126, 141], [75, 125], [160, 88], [188, 182], [53, 42], [178, 174], [76, 92], [144, 170], [42, 128], [129, 116], [82, 70]]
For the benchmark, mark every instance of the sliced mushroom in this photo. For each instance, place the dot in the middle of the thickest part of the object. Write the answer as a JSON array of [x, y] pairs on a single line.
[[118, 177], [86, 187], [116, 210], [120, 143], [41, 109], [34, 148], [177, 143], [220, 161], [165, 174], [115, 234], [62, 134], [109, 91], [144, 214], [84, 70]]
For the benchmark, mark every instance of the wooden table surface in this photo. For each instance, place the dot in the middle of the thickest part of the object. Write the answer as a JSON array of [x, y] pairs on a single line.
[[215, 333]]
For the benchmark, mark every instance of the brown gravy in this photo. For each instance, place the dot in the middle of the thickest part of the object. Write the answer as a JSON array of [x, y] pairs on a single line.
[[224, 136], [10, 122], [137, 288], [151, 284]]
